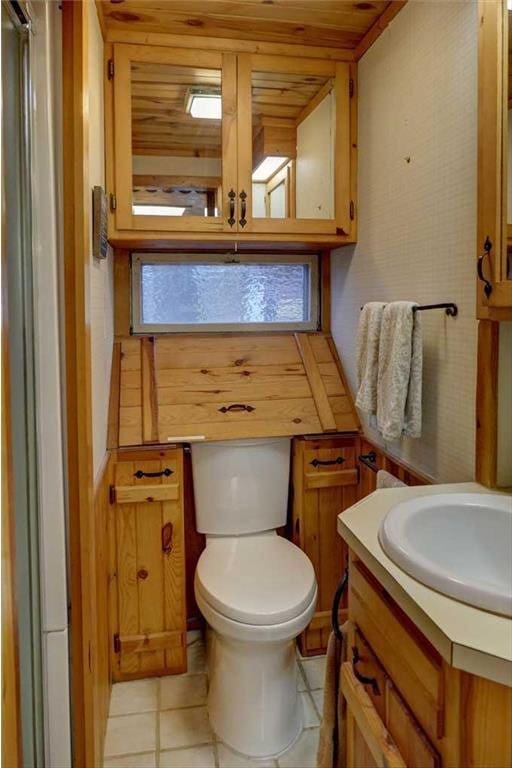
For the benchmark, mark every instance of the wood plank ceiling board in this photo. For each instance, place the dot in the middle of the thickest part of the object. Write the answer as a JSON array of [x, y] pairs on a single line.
[[325, 23], [232, 386]]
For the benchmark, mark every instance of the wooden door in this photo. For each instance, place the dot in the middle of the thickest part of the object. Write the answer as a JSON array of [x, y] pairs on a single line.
[[149, 564], [368, 742], [294, 115], [325, 483], [174, 139], [494, 230]]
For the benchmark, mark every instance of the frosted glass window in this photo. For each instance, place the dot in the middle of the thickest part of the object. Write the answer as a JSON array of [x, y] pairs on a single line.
[[215, 295]]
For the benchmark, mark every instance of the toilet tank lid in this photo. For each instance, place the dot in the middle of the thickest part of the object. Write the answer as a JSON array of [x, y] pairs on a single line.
[[257, 579]]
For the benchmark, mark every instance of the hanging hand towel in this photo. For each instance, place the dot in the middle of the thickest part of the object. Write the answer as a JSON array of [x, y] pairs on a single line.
[[400, 372], [368, 335]]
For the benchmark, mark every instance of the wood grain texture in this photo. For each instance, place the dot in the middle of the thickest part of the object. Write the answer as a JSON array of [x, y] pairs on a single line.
[[149, 581], [486, 447], [320, 23], [322, 404]]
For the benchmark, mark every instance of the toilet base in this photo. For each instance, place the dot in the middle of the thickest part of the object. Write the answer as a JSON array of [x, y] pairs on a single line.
[[253, 702]]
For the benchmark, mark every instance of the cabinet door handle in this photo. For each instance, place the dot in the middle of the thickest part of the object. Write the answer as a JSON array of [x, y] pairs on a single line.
[[320, 463], [480, 267], [164, 473], [363, 678], [236, 407], [167, 539], [231, 196], [243, 208]]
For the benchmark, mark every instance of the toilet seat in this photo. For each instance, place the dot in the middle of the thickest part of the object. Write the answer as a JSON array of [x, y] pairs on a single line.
[[257, 580]]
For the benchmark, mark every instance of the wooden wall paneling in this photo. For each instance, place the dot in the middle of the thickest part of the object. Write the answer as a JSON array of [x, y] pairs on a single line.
[[325, 291], [486, 448], [195, 542], [78, 377], [322, 404], [343, 150], [485, 722], [122, 293], [353, 153], [149, 397], [114, 402], [130, 408]]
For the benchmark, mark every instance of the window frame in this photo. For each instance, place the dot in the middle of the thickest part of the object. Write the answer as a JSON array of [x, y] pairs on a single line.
[[137, 260]]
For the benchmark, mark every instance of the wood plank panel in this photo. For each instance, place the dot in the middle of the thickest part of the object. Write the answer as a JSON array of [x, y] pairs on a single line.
[[322, 404]]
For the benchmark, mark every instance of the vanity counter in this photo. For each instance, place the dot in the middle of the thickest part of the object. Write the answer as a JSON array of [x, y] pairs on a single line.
[[468, 638]]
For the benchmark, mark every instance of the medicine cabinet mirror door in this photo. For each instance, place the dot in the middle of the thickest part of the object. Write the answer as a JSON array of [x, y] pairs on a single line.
[[494, 265], [175, 139], [294, 146]]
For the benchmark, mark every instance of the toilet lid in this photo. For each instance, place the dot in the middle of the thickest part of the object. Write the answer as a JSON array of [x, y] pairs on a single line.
[[255, 579]]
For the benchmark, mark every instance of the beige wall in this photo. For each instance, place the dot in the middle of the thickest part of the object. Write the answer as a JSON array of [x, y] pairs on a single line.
[[504, 474], [101, 288], [417, 211]]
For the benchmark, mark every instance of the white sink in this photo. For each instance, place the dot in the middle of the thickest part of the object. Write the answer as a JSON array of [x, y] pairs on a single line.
[[460, 544]]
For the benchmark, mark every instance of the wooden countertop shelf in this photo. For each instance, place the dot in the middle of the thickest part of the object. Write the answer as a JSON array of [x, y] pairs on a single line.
[[184, 387]]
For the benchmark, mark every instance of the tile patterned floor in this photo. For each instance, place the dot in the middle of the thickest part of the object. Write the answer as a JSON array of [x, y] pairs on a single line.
[[163, 723]]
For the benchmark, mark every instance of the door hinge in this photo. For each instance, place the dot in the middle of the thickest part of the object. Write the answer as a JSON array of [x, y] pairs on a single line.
[[112, 494], [113, 202], [110, 69], [352, 210], [351, 87], [117, 644]]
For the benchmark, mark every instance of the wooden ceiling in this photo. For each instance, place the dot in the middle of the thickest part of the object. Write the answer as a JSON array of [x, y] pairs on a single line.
[[327, 23]]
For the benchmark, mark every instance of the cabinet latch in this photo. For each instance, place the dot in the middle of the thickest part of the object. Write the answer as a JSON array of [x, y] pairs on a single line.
[[112, 494], [110, 69], [113, 202], [352, 210], [117, 644]]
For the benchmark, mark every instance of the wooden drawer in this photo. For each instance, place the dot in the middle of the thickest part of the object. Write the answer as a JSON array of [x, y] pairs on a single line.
[[367, 742], [365, 663], [129, 494], [408, 736], [411, 662]]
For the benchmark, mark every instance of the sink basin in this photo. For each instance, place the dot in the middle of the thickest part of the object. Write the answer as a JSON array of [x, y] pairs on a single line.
[[459, 544]]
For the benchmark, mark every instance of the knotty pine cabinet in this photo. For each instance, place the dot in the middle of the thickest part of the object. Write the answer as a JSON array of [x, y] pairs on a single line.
[[406, 707], [147, 564], [187, 132], [325, 482]]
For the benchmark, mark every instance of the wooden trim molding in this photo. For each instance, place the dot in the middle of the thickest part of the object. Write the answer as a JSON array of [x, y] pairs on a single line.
[[75, 30], [486, 448]]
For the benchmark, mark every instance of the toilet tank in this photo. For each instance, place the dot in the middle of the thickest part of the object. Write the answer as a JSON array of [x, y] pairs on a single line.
[[241, 486]]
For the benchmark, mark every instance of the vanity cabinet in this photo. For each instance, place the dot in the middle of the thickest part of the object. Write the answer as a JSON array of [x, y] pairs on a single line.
[[147, 564], [325, 480], [211, 144], [405, 705]]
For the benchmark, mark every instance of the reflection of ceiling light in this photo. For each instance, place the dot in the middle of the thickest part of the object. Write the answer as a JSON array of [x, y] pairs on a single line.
[[205, 104], [158, 210], [509, 5], [268, 167]]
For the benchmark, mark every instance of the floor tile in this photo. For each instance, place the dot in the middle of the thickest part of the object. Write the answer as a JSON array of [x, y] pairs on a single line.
[[318, 698], [315, 671], [132, 697], [184, 728], [194, 757], [301, 681], [182, 691], [303, 752], [130, 733], [310, 716], [230, 759], [147, 760], [196, 658]]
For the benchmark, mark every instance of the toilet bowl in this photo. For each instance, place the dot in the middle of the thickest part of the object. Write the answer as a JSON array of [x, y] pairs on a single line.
[[256, 590], [257, 593]]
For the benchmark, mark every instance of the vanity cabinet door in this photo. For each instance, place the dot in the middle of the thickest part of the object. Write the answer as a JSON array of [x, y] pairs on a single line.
[[148, 565], [368, 742], [324, 484], [294, 146], [174, 139]]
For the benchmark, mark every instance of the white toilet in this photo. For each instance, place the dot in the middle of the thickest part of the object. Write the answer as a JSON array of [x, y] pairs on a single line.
[[256, 590]]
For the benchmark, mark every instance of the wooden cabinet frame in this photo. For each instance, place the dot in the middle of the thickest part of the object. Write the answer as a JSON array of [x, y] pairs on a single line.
[[123, 55], [340, 72], [492, 160]]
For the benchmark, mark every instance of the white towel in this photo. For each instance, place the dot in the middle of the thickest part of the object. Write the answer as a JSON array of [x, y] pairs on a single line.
[[387, 480], [368, 335], [400, 372]]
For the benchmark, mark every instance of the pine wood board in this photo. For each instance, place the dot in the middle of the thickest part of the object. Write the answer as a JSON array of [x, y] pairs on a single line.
[[228, 386]]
